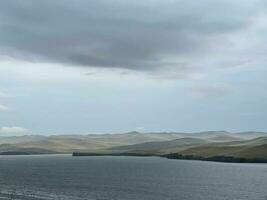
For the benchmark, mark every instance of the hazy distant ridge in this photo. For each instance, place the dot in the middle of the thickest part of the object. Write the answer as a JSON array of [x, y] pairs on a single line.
[[211, 143]]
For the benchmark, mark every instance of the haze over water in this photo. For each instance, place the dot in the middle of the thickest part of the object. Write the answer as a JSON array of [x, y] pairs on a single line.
[[128, 178]]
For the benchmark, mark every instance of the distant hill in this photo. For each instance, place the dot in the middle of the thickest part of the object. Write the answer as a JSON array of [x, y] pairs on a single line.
[[259, 151], [203, 143], [209, 134], [214, 134], [70, 143], [224, 138], [19, 139], [251, 134], [160, 147]]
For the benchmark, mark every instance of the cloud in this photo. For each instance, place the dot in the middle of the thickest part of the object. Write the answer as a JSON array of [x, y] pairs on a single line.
[[137, 35], [13, 131], [3, 94], [211, 90], [3, 108]]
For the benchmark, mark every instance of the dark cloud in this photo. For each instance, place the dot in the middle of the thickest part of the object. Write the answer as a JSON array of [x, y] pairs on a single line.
[[138, 35]]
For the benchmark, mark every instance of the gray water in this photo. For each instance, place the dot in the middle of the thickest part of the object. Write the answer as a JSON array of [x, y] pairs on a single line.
[[128, 178]]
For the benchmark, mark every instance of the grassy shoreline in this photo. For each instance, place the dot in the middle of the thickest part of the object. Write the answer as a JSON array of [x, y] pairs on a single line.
[[225, 159], [176, 156]]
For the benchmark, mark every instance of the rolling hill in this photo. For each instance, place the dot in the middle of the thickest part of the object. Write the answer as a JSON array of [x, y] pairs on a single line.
[[206, 144], [160, 147]]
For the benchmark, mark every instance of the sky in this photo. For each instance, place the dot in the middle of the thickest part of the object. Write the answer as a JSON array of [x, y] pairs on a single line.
[[113, 66]]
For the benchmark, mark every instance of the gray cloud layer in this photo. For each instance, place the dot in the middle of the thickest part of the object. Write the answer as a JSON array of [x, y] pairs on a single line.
[[139, 35]]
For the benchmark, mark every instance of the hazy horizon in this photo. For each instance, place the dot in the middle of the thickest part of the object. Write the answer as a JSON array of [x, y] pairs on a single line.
[[24, 133]]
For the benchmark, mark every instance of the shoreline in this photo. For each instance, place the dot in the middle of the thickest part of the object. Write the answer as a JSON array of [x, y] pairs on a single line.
[[174, 156], [223, 159]]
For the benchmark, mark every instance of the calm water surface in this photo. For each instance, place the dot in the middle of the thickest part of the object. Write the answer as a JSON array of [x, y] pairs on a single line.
[[128, 178]]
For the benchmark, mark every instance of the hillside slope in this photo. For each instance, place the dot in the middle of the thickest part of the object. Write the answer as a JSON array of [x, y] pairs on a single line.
[[152, 143], [160, 147], [255, 148]]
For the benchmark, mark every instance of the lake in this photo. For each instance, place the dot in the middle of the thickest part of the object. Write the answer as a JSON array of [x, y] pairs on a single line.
[[65, 177]]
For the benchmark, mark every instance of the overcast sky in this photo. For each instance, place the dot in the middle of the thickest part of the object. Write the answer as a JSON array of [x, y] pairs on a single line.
[[70, 67]]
